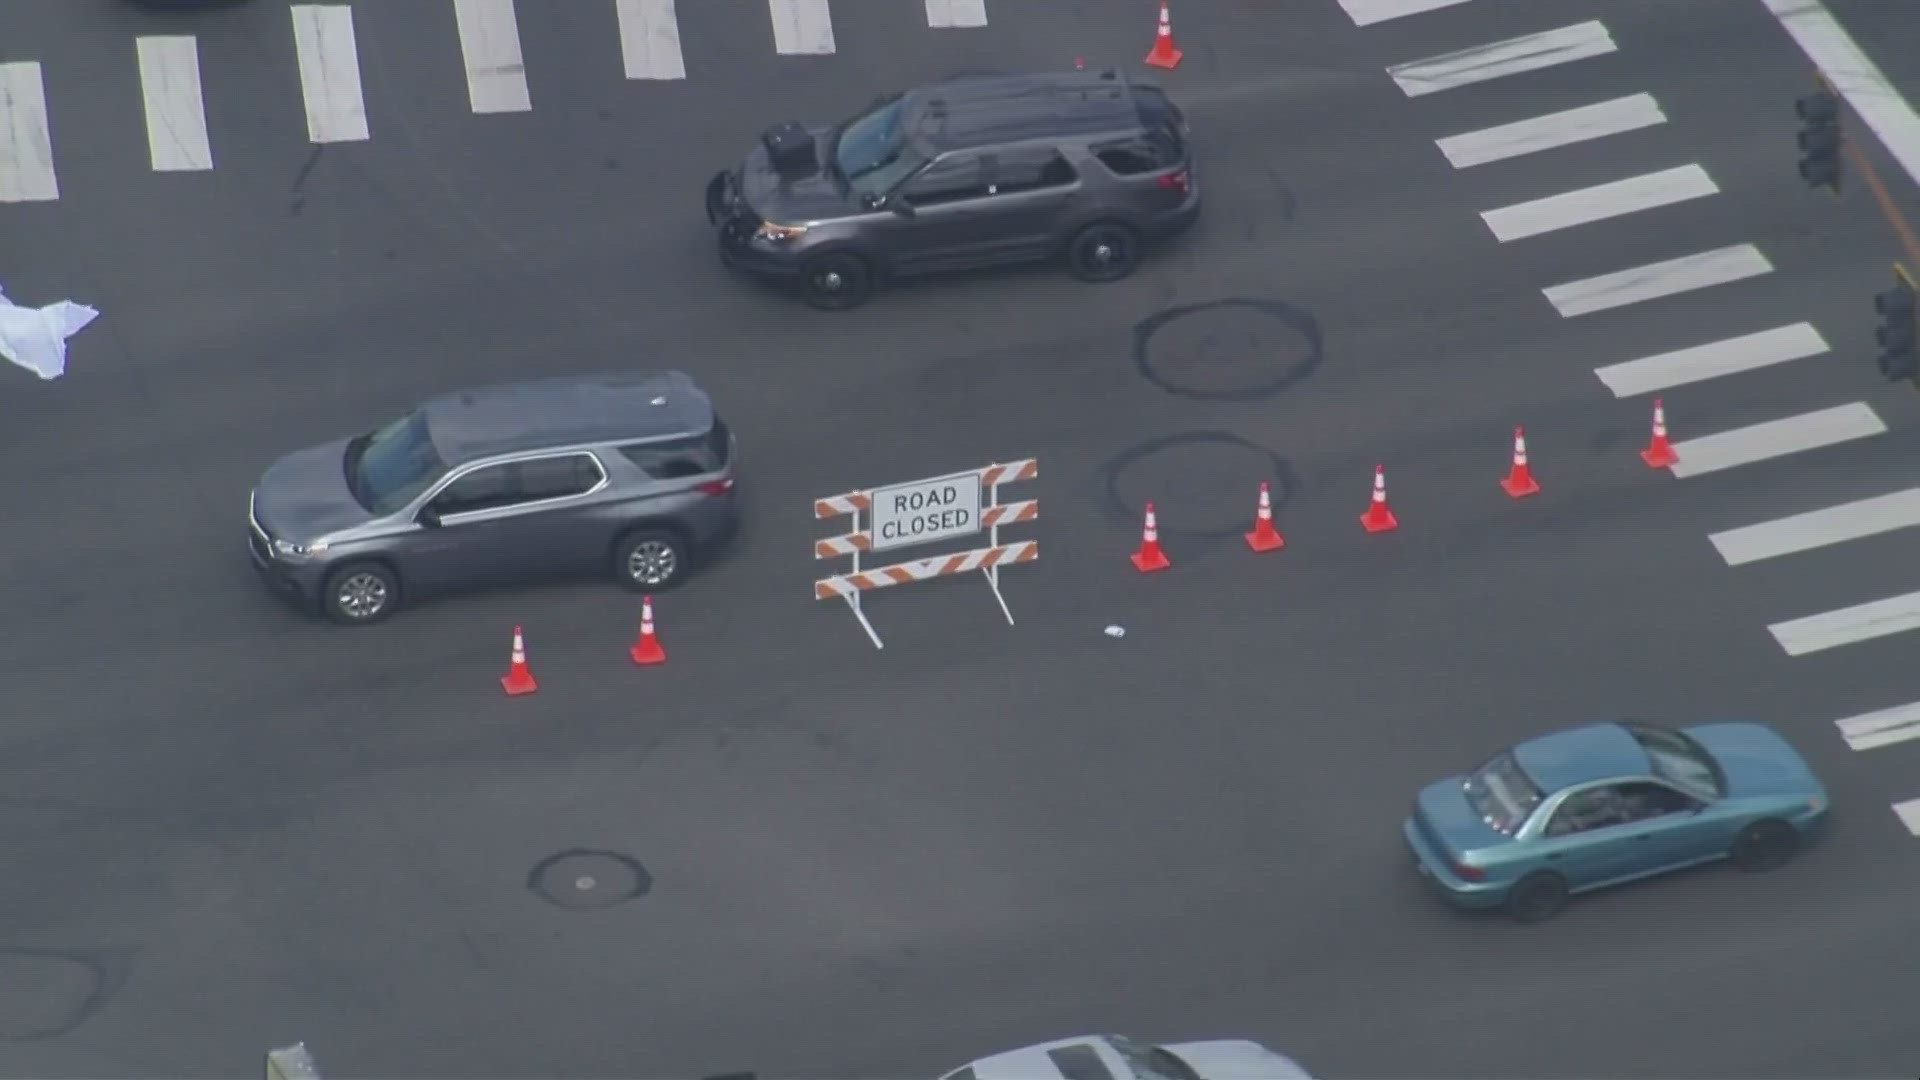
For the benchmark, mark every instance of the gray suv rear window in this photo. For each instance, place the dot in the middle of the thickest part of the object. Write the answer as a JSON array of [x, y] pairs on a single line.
[[1140, 154], [674, 459]]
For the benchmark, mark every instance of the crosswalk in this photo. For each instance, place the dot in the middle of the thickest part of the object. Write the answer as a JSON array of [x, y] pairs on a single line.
[[327, 50], [1887, 727], [1613, 194]]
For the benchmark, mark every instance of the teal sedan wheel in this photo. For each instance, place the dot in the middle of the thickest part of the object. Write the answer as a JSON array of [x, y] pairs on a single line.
[[1765, 845], [1536, 897]]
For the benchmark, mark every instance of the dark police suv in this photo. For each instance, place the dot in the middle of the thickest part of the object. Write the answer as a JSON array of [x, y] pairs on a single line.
[[972, 171]]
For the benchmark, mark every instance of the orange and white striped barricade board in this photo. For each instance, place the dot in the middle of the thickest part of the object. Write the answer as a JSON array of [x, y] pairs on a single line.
[[925, 512]]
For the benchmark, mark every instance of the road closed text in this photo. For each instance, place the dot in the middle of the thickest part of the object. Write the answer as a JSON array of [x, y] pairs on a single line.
[[926, 510]]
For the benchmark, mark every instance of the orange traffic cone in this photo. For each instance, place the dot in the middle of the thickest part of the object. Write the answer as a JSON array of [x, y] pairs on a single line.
[[519, 678], [1164, 54], [1378, 518], [647, 650], [1264, 536], [1520, 482], [1659, 452], [1150, 558]]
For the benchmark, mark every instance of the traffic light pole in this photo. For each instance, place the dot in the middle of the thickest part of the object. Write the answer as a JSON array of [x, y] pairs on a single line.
[[1858, 159], [1881, 195]]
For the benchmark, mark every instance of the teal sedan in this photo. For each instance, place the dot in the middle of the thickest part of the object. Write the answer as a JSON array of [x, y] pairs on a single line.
[[1607, 804]]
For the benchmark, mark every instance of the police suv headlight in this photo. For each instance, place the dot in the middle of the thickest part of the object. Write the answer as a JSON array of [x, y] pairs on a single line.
[[779, 233]]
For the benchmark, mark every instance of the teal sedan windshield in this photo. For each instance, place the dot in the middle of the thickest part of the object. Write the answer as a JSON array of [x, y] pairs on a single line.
[[1502, 794], [1680, 761]]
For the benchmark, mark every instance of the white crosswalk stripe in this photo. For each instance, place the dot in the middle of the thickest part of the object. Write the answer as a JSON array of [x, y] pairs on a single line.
[[1368, 12], [26, 142], [801, 27], [1909, 814], [1776, 438], [956, 14], [1885, 727], [1715, 359], [1651, 282], [1600, 202], [1819, 528], [650, 39], [176, 113], [1882, 727], [1552, 131], [490, 45], [1847, 626], [329, 72], [1503, 58]]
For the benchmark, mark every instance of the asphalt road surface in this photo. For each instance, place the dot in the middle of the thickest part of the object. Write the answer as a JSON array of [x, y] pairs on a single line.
[[226, 827]]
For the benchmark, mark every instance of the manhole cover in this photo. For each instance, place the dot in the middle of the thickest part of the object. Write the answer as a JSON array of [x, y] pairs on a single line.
[[1228, 350], [1202, 483], [44, 994], [588, 880]]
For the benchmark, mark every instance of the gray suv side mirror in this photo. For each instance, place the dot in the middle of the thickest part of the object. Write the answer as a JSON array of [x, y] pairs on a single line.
[[428, 517], [899, 205]]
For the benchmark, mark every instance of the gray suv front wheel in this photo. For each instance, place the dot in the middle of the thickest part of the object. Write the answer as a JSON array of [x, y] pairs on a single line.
[[360, 593], [650, 561]]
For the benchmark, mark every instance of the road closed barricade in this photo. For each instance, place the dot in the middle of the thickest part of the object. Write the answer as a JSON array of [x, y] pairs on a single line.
[[920, 512]]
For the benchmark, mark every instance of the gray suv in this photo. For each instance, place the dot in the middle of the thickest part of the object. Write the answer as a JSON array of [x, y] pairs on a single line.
[[625, 474], [973, 171]]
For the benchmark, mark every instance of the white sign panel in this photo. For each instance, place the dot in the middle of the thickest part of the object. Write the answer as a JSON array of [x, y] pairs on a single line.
[[926, 510]]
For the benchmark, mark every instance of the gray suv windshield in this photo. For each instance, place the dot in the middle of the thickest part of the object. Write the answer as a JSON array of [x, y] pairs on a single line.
[[391, 467], [873, 153]]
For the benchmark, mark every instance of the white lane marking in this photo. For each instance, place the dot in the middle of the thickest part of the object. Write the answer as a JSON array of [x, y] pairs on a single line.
[[1600, 202], [1699, 363], [1862, 622], [1650, 282], [329, 72], [1368, 12], [650, 39], [176, 111], [1882, 727], [1855, 76], [1909, 815], [26, 143], [490, 45], [1503, 58], [801, 27], [1776, 438], [956, 14], [1551, 131], [1819, 528]]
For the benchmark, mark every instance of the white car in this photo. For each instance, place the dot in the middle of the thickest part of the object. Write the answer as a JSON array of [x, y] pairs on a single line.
[[1116, 1057]]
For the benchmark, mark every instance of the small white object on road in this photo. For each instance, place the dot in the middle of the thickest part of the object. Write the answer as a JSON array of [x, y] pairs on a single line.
[[1116, 631], [36, 338]]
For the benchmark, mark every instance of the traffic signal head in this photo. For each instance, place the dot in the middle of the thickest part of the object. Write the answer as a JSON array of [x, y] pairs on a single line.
[[1820, 139], [1820, 108], [1899, 328]]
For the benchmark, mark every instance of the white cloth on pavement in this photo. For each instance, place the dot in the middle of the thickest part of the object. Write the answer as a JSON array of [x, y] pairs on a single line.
[[36, 338]]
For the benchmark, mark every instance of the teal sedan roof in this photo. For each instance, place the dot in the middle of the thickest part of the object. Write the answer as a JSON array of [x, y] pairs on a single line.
[[1594, 752]]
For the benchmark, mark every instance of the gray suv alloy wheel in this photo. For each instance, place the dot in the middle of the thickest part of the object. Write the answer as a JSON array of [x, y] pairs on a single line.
[[360, 594], [651, 562]]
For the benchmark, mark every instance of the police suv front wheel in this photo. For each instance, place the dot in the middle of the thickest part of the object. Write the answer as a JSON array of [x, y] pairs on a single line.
[[836, 281]]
